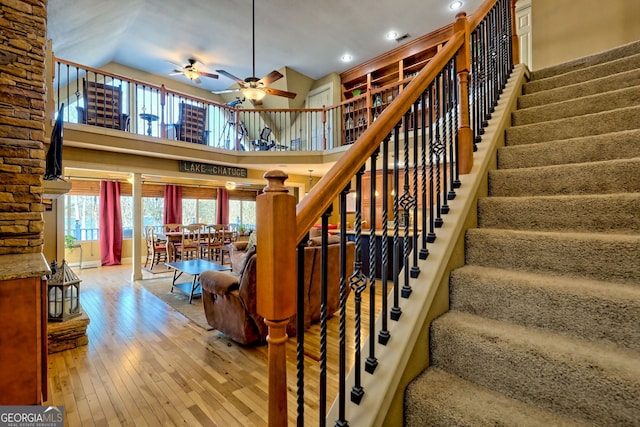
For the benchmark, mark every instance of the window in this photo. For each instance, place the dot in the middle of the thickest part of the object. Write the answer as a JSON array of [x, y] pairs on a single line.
[[243, 212], [153, 212], [81, 218], [126, 211], [198, 211]]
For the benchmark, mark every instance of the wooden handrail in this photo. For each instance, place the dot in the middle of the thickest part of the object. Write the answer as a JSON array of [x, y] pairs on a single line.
[[480, 13], [322, 195]]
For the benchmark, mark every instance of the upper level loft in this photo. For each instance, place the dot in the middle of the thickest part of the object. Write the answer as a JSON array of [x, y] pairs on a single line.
[[127, 108]]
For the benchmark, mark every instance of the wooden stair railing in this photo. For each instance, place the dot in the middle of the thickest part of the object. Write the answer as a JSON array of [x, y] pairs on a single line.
[[276, 212]]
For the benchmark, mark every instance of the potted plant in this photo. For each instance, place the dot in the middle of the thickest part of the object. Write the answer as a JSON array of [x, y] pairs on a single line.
[[70, 242]]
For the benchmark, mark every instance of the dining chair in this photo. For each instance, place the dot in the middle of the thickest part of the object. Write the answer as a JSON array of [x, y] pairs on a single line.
[[174, 237], [156, 249], [189, 246]]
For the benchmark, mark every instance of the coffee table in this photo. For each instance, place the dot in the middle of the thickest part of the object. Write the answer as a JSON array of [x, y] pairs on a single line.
[[193, 267]]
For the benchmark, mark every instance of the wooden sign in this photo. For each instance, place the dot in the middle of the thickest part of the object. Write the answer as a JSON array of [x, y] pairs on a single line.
[[209, 169]]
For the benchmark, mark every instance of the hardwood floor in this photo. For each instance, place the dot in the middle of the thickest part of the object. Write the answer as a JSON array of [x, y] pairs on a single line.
[[148, 365]]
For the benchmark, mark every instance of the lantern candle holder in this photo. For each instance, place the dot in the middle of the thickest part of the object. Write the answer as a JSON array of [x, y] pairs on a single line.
[[63, 293]]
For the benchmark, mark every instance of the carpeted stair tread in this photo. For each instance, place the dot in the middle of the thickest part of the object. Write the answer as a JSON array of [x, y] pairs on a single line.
[[603, 84], [609, 146], [589, 309], [589, 124], [437, 398], [590, 104], [581, 379], [601, 213], [583, 74], [606, 177], [628, 49], [594, 256], [543, 318]]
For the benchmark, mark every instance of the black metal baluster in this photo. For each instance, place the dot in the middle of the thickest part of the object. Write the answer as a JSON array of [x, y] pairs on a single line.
[[453, 115], [494, 61], [406, 203], [486, 83], [446, 135], [372, 363], [502, 37], [396, 311], [300, 300], [437, 144], [431, 237], [475, 75], [358, 283], [455, 179], [342, 345], [383, 336], [415, 270], [323, 314], [424, 251]]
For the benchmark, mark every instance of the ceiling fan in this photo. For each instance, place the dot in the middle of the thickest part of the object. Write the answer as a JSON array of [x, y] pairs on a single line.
[[191, 71], [252, 87]]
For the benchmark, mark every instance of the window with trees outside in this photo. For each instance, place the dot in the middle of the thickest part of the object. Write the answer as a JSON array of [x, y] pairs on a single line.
[[199, 205]]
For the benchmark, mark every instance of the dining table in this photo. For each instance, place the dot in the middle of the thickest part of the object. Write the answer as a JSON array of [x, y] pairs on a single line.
[[173, 237]]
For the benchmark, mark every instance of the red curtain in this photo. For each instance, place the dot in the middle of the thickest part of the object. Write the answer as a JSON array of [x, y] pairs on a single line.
[[222, 215], [172, 204], [110, 223]]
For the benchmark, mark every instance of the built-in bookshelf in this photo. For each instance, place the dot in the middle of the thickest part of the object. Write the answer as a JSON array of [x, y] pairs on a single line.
[[368, 88]]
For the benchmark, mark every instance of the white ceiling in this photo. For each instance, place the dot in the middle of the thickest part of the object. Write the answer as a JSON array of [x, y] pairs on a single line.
[[307, 36]]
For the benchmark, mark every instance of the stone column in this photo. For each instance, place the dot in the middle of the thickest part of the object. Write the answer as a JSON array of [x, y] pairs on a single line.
[[22, 117]]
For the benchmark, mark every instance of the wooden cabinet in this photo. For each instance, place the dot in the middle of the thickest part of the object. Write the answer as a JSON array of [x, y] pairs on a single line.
[[369, 87], [23, 329]]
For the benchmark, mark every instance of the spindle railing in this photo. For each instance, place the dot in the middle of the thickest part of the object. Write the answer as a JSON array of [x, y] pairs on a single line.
[[414, 154], [154, 111]]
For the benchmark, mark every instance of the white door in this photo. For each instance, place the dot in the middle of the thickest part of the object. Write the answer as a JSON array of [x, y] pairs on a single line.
[[319, 98], [523, 30]]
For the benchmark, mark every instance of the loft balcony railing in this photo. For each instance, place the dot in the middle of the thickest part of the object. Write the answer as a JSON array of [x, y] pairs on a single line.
[[393, 191], [96, 97]]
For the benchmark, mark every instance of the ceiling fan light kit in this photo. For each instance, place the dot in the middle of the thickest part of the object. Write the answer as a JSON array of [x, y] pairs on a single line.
[[191, 71], [253, 93]]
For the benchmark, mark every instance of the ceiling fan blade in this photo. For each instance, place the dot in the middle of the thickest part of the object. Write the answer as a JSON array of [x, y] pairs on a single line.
[[230, 76], [176, 72], [197, 80], [278, 92], [271, 77], [210, 75], [220, 92]]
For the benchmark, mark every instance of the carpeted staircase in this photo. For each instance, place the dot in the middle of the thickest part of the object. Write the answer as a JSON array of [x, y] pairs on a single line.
[[544, 326]]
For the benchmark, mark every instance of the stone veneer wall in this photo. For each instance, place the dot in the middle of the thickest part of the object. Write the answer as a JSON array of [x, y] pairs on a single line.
[[22, 118]]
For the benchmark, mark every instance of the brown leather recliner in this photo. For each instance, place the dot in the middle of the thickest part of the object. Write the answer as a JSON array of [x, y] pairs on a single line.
[[230, 300]]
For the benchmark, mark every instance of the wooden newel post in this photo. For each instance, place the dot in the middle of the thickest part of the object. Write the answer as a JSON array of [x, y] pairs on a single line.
[[276, 282], [463, 65], [515, 44]]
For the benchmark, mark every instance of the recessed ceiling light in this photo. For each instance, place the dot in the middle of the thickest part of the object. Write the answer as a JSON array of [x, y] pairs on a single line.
[[391, 35], [346, 58], [455, 5]]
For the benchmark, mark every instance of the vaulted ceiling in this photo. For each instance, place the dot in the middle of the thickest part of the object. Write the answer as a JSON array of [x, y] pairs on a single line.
[[308, 36]]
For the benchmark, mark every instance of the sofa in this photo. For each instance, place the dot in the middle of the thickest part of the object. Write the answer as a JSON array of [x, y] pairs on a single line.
[[229, 299]]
